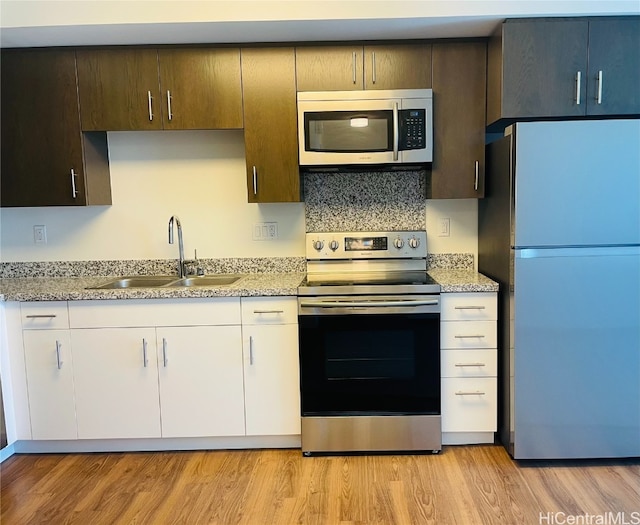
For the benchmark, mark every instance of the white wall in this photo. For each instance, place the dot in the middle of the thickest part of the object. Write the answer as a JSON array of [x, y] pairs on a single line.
[[199, 176]]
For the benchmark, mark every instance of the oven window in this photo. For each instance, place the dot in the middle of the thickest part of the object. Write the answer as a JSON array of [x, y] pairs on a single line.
[[370, 364], [348, 131]]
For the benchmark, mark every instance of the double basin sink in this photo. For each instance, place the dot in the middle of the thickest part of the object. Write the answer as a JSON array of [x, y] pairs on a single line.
[[167, 281]]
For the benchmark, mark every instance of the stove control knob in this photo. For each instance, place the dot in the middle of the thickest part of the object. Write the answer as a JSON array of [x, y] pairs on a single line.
[[318, 245], [333, 245], [398, 243], [414, 243]]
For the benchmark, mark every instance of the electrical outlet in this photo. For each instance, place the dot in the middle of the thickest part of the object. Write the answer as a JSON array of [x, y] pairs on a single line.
[[40, 234], [265, 231], [444, 226]]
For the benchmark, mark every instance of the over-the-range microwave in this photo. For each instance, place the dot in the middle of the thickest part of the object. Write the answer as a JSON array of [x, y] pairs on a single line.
[[338, 128]]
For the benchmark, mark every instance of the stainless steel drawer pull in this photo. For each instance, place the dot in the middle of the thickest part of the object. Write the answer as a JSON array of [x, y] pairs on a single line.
[[255, 181], [373, 68], [599, 88], [58, 355], [41, 316], [578, 87], [477, 393], [149, 99], [170, 114], [469, 308], [479, 336], [74, 190], [470, 364], [475, 184], [165, 357], [144, 353], [268, 312], [353, 67], [251, 350]]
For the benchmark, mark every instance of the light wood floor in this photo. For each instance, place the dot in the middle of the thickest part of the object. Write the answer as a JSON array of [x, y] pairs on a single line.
[[463, 485]]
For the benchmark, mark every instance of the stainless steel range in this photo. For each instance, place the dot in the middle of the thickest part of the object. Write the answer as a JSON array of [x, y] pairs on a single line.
[[369, 321]]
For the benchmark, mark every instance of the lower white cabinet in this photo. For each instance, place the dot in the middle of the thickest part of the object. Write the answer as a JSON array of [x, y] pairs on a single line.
[[468, 340], [49, 369], [116, 382], [200, 378], [188, 368], [271, 369]]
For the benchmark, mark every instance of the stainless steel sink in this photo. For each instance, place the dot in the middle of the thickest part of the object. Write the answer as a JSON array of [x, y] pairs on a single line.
[[138, 281], [157, 281], [206, 280]]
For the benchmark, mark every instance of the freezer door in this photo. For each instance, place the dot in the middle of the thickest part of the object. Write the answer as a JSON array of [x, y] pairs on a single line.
[[576, 351], [577, 183]]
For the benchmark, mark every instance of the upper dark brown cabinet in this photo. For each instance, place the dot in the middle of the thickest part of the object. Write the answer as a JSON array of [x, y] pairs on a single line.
[[270, 124], [46, 159], [346, 68], [546, 68], [131, 89], [459, 92]]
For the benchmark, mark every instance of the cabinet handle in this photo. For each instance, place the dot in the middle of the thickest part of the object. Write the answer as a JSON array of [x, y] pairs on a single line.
[[144, 352], [599, 88], [373, 67], [469, 308], [165, 357], [475, 184], [150, 98], [476, 393], [58, 354], [74, 191], [469, 364], [170, 114], [578, 86], [354, 66], [42, 316], [251, 350], [268, 312], [469, 336], [255, 181]]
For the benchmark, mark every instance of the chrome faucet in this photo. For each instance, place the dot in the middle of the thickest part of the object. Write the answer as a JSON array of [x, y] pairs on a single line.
[[181, 264]]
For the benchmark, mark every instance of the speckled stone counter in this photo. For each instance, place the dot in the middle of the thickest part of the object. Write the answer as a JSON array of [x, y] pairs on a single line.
[[73, 281], [462, 280]]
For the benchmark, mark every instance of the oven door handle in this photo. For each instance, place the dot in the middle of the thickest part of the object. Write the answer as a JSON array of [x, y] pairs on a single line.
[[364, 304]]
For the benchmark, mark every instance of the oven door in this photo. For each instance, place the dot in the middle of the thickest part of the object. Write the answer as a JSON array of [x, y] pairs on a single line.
[[380, 363]]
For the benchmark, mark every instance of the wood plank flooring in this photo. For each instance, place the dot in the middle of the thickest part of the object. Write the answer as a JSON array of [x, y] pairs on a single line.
[[463, 485]]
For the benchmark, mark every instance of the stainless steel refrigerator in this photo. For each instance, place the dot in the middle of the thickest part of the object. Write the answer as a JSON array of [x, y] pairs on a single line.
[[559, 229]]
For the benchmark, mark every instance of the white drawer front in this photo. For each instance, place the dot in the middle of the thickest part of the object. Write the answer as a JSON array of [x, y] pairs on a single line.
[[269, 310], [468, 334], [469, 404], [478, 306], [469, 363], [154, 312], [44, 315]]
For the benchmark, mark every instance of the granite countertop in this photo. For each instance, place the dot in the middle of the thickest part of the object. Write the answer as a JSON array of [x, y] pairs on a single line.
[[257, 284]]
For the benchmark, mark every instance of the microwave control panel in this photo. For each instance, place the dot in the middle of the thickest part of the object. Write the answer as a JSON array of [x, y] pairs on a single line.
[[412, 124]]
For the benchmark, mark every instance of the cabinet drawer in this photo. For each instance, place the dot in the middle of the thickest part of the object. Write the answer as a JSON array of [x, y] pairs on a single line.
[[469, 363], [468, 334], [154, 312], [44, 315], [469, 404], [269, 310], [478, 306]]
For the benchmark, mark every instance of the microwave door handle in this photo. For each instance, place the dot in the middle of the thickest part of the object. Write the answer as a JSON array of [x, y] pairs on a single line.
[[395, 131]]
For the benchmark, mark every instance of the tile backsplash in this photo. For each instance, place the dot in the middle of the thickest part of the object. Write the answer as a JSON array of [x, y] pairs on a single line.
[[367, 201]]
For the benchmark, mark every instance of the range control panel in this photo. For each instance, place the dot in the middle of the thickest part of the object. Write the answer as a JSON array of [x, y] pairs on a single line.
[[366, 245]]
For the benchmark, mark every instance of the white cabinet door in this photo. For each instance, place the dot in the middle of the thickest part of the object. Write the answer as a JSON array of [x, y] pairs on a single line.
[[201, 388], [116, 383], [271, 375], [49, 369]]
